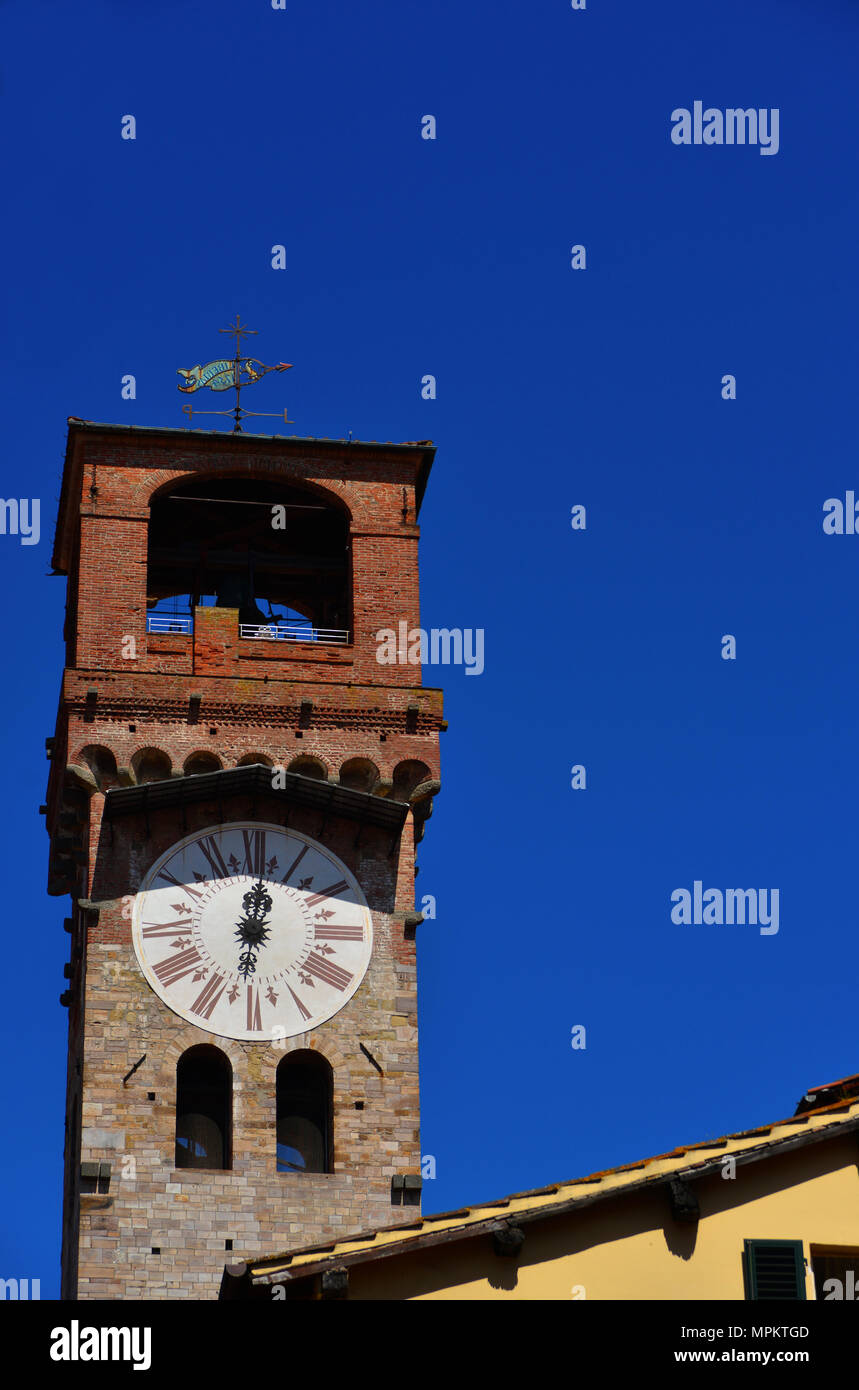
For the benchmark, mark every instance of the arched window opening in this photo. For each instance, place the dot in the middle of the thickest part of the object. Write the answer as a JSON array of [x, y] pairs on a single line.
[[204, 1084], [199, 763], [305, 1088], [407, 777], [253, 759], [276, 552], [360, 774], [307, 766], [101, 763], [151, 765]]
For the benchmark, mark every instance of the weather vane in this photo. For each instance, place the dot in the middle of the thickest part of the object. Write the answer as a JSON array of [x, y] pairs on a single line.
[[230, 373]]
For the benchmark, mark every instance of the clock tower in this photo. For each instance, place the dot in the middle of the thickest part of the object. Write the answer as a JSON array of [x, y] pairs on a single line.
[[237, 788]]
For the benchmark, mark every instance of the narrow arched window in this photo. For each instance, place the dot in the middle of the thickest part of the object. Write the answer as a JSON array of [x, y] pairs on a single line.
[[204, 1087], [305, 1086]]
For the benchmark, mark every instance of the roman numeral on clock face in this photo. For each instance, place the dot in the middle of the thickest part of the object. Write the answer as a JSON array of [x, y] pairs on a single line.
[[209, 996], [295, 863], [254, 1017], [214, 856], [332, 933], [175, 967], [305, 1013], [326, 970], [254, 853], [186, 887], [166, 928], [331, 892]]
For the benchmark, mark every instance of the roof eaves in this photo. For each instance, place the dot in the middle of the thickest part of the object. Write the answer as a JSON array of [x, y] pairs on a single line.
[[423, 448], [256, 780], [282, 1269]]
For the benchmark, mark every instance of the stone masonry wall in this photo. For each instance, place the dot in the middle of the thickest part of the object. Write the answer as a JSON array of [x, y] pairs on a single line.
[[189, 1215]]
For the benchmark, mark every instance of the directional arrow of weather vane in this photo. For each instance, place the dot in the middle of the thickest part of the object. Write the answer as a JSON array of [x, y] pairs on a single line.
[[230, 374]]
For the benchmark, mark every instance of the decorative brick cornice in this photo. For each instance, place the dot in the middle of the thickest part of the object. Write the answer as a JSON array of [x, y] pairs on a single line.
[[263, 716]]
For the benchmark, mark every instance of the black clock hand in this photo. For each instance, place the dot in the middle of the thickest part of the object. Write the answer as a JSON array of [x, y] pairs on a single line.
[[252, 928]]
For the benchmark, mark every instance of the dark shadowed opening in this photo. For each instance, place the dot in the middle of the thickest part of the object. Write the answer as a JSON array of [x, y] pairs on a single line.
[[265, 546], [204, 1083], [305, 1086]]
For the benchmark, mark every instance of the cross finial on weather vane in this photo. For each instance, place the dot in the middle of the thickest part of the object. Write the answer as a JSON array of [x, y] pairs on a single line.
[[230, 373], [236, 330]]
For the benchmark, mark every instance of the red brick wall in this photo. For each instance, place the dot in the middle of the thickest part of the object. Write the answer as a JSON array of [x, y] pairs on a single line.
[[127, 471]]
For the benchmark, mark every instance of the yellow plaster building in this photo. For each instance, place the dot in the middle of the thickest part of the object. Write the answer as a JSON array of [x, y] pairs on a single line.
[[770, 1213]]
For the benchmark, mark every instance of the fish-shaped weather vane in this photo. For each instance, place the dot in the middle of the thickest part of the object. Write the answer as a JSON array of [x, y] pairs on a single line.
[[230, 373], [221, 375]]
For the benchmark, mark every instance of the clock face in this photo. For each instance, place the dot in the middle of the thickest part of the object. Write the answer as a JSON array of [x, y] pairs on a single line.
[[245, 928]]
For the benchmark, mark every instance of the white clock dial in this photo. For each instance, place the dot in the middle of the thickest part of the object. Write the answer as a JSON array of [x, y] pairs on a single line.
[[246, 928]]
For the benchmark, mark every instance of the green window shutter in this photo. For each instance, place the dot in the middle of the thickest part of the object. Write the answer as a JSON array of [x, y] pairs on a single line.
[[775, 1269]]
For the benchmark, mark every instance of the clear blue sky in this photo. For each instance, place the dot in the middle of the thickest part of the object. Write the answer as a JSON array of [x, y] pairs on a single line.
[[555, 387]]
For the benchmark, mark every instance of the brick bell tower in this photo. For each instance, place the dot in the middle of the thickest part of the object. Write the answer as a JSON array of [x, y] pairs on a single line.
[[236, 790]]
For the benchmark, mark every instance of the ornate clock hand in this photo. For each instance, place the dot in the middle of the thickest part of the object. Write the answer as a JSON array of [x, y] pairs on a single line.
[[252, 929]]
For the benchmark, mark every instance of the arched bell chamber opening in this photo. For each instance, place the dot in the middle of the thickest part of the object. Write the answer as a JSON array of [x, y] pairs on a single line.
[[277, 552]]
